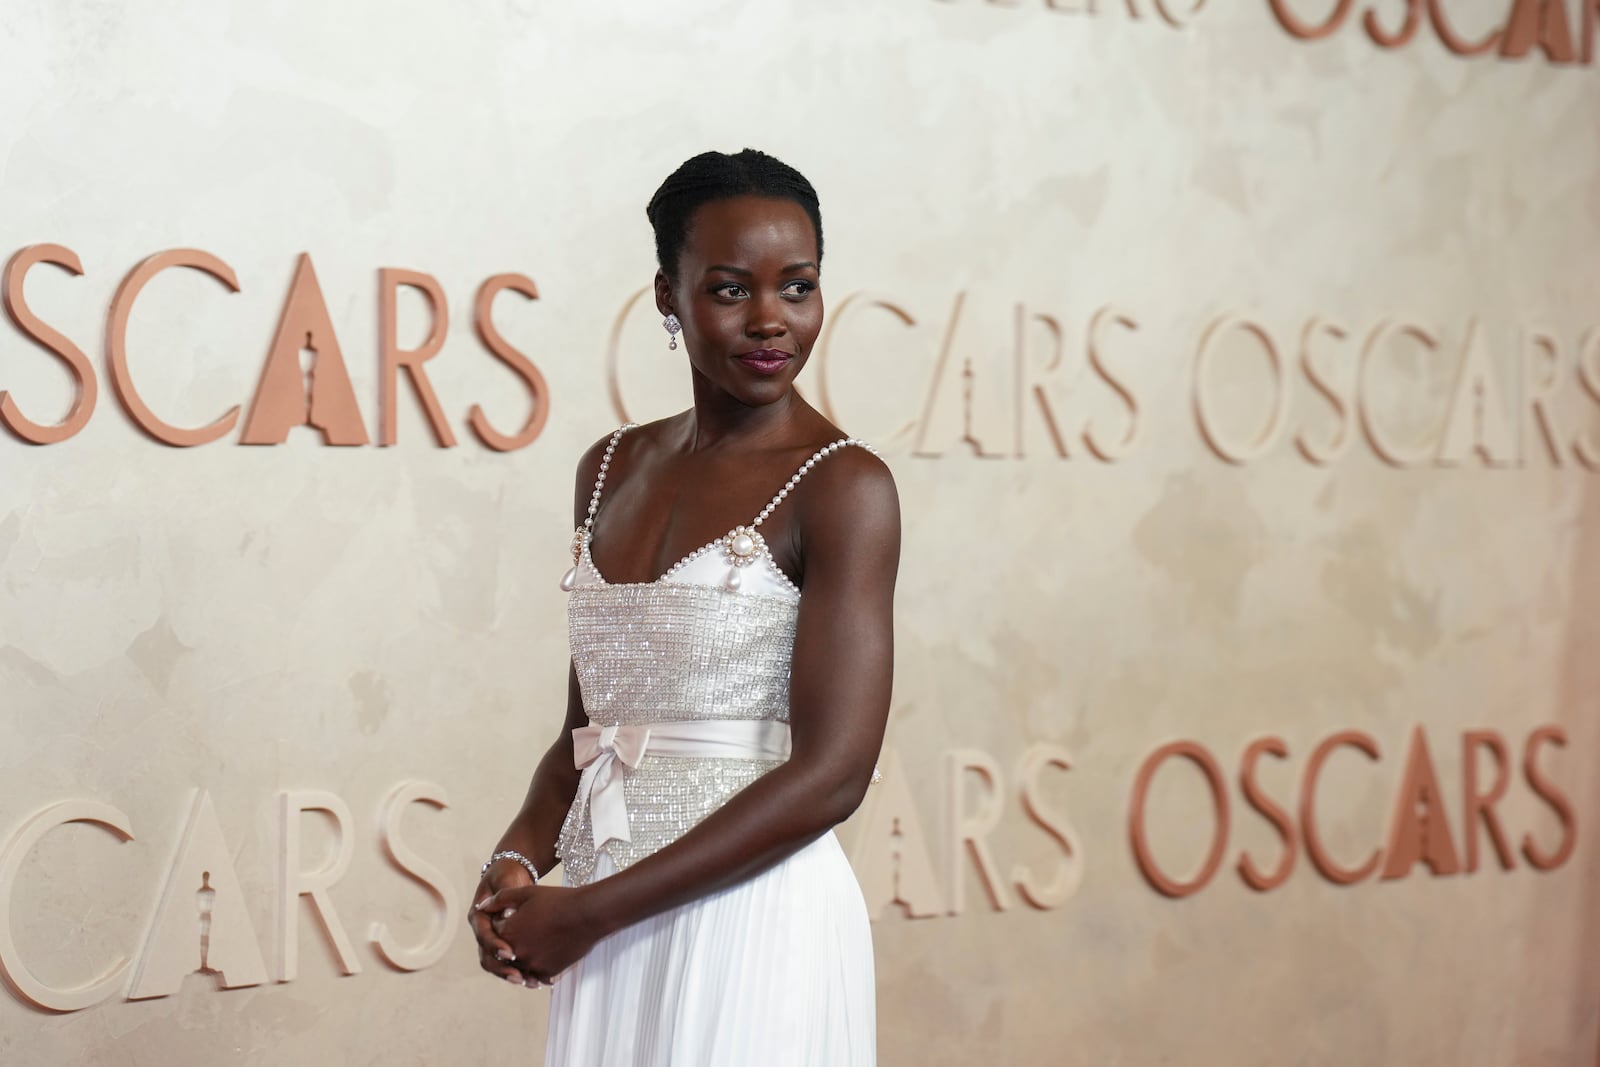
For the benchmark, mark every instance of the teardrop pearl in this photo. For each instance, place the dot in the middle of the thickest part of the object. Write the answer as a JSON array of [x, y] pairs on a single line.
[[569, 580], [734, 580]]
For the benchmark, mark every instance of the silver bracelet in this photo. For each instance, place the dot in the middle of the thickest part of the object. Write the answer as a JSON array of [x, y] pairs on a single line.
[[509, 854]]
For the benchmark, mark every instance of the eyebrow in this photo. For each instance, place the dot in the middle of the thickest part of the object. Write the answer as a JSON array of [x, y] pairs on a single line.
[[802, 265]]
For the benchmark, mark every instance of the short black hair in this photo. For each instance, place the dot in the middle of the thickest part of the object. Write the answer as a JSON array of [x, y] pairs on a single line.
[[719, 176]]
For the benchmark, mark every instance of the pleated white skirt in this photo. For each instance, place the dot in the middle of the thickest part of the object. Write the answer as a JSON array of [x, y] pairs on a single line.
[[773, 972]]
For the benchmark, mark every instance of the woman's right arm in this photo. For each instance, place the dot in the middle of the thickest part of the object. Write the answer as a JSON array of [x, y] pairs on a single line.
[[533, 833], [534, 829]]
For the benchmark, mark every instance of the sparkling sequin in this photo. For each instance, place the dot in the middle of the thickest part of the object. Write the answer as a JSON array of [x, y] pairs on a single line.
[[667, 795], [666, 652]]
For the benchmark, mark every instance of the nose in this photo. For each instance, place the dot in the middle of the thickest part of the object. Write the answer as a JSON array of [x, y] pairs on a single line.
[[765, 318]]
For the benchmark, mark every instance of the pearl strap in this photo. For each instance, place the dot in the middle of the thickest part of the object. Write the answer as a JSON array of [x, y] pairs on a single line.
[[801, 473], [585, 533], [730, 543], [605, 465], [742, 545]]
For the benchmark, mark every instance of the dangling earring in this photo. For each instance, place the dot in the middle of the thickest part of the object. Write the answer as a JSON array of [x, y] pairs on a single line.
[[672, 326]]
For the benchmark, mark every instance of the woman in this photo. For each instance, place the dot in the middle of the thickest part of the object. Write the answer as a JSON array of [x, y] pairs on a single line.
[[731, 621]]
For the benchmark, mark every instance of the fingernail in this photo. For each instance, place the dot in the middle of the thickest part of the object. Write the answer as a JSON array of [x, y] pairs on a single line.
[[508, 956], [508, 913], [479, 905], [514, 979]]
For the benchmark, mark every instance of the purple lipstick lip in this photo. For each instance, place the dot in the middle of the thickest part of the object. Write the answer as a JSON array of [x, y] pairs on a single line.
[[765, 360]]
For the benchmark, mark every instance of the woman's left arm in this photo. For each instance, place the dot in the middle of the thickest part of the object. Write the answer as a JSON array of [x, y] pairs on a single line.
[[849, 530]]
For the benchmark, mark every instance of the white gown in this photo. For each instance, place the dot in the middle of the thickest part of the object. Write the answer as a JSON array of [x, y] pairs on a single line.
[[686, 684]]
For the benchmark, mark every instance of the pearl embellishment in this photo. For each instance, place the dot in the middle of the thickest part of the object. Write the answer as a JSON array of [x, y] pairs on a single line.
[[741, 546]]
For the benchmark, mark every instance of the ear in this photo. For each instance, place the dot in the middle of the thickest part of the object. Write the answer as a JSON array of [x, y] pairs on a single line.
[[664, 303]]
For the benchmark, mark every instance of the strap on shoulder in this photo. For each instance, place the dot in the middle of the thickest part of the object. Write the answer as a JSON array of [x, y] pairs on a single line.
[[816, 457], [605, 466]]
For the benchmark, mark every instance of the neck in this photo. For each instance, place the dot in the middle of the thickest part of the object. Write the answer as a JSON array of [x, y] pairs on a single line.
[[718, 419]]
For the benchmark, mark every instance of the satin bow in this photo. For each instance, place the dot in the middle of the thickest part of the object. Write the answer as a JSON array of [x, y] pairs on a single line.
[[596, 750]]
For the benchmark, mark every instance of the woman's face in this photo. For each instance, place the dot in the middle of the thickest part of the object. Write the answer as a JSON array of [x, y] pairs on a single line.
[[748, 295]]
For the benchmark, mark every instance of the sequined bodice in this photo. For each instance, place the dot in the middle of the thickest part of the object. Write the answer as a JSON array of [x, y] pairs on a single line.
[[674, 651], [710, 640]]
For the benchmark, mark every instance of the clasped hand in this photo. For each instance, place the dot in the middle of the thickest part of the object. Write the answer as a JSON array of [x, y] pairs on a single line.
[[529, 934]]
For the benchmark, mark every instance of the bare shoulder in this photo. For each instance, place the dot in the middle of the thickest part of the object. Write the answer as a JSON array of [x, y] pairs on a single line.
[[851, 496], [630, 439], [589, 472], [589, 462], [852, 473]]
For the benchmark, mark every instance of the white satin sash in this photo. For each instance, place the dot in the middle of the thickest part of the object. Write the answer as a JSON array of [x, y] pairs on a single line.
[[597, 750]]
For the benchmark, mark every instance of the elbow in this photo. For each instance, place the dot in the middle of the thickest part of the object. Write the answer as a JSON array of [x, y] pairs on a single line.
[[823, 792], [840, 797]]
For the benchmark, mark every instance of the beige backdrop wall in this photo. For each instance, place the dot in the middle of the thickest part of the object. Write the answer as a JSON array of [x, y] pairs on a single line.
[[1313, 321]]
